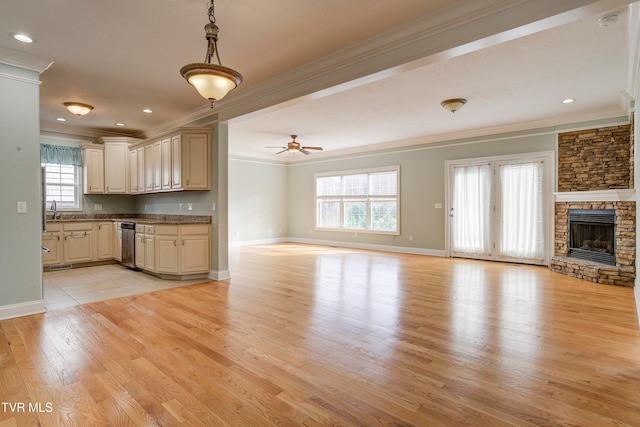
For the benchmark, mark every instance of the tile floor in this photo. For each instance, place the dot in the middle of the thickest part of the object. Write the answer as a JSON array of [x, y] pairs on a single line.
[[67, 288]]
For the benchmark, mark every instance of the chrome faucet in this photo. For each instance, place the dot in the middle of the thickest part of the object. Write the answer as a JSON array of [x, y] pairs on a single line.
[[54, 208]]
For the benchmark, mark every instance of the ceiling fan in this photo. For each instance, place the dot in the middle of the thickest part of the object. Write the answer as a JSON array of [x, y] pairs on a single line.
[[295, 146]]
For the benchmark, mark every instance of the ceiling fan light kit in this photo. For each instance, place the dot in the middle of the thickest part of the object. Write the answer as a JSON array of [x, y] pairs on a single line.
[[453, 104], [294, 147], [78, 108], [212, 81]]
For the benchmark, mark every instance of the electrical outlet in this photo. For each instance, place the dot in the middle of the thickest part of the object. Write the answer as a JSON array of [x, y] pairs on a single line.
[[97, 206], [189, 206]]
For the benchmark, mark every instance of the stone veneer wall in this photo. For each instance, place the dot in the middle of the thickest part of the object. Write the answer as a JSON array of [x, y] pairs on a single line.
[[595, 159], [590, 160], [623, 273]]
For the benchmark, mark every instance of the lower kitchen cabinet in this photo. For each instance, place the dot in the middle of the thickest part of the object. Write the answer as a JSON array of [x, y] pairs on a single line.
[[174, 249], [194, 249], [171, 250], [52, 240], [78, 242], [105, 241]]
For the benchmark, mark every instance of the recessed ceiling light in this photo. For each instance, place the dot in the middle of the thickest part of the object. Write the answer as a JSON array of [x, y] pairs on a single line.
[[61, 119], [147, 110], [23, 38], [568, 100], [120, 124]]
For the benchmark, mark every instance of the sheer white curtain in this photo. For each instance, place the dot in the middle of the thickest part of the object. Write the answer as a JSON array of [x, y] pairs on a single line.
[[471, 209], [521, 220]]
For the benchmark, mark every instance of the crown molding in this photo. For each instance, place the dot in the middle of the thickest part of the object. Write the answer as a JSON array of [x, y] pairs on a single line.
[[455, 30], [23, 60]]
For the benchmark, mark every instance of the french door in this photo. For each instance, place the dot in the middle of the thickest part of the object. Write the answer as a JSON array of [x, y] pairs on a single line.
[[499, 209]]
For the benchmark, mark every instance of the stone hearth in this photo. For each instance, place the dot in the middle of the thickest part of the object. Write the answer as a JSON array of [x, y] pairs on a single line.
[[623, 273]]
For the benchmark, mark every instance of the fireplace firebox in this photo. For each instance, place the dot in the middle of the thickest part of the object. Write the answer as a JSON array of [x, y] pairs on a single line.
[[592, 235]]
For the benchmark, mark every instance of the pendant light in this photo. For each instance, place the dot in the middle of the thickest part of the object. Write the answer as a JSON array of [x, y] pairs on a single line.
[[212, 81]]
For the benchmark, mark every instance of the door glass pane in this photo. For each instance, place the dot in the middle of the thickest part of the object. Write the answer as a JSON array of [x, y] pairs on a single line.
[[471, 210], [521, 220]]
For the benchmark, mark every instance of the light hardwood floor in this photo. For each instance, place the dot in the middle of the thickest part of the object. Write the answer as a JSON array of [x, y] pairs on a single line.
[[313, 336]]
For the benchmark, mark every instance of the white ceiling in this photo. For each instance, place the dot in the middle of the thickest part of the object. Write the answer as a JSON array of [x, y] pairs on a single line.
[[122, 56]]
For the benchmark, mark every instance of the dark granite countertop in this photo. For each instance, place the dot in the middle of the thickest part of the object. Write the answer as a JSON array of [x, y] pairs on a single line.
[[137, 218]]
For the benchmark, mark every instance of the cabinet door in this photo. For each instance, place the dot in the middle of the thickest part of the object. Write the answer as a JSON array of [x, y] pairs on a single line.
[[195, 161], [167, 254], [115, 167], [52, 242], [133, 171], [139, 254], [141, 170], [176, 162], [165, 147], [194, 254], [148, 167], [78, 246], [157, 166], [105, 239], [93, 170], [149, 252]]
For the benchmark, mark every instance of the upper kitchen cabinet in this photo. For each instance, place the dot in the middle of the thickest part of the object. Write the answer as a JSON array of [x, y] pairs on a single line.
[[117, 171], [106, 166], [93, 169], [180, 160]]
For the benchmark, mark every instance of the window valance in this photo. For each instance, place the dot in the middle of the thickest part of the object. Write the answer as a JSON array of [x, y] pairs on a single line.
[[60, 155]]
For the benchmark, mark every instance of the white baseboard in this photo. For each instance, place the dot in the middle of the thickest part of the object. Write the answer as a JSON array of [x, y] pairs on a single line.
[[219, 275], [22, 309], [259, 242], [340, 244]]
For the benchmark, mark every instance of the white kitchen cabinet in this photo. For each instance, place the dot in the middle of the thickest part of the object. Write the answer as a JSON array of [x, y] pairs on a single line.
[[167, 249], [196, 170], [194, 248], [139, 246], [104, 241], [149, 248], [93, 169], [157, 166], [149, 166], [133, 171], [78, 242], [52, 240], [116, 167], [141, 170], [176, 161], [166, 159]]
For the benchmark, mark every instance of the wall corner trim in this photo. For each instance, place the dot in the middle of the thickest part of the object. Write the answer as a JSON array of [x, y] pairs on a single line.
[[219, 275]]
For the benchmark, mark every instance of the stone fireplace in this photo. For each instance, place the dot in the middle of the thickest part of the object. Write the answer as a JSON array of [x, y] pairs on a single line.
[[595, 208]]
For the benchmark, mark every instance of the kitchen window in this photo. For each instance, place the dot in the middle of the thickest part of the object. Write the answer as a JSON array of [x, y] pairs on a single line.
[[362, 201], [62, 183]]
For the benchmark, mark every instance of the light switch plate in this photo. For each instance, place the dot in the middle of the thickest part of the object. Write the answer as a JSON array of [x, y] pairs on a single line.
[[22, 207]]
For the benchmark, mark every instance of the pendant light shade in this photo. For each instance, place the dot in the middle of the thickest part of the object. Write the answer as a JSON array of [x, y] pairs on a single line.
[[212, 81]]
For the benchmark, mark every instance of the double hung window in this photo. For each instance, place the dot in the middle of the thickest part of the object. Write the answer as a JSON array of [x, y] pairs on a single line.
[[363, 200]]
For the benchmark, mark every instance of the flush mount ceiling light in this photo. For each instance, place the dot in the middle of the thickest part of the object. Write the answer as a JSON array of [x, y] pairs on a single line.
[[212, 81], [78, 108], [453, 104]]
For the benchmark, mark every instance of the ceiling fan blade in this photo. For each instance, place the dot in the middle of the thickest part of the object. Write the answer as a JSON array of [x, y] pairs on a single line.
[[312, 148], [302, 150], [274, 146], [281, 151]]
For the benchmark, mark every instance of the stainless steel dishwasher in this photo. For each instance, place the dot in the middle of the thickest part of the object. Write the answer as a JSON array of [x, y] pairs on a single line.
[[128, 244]]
